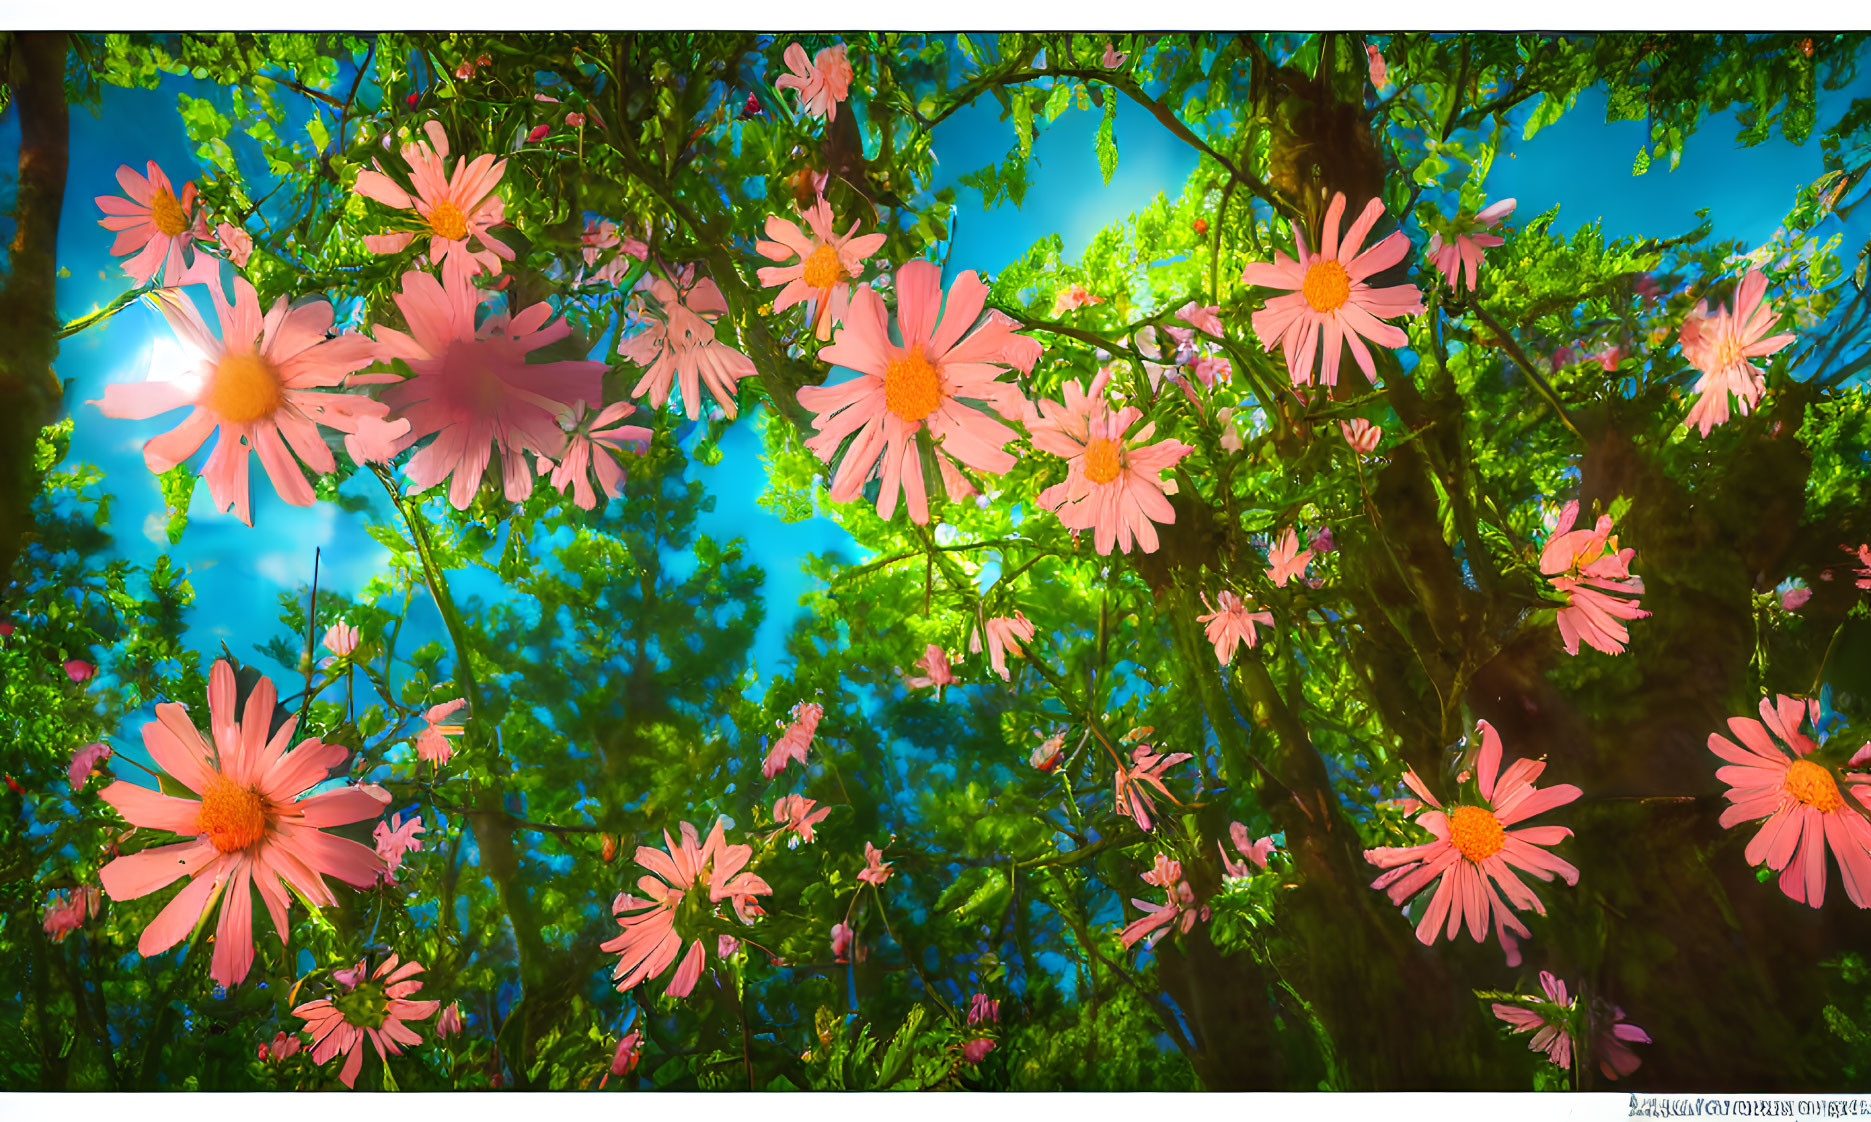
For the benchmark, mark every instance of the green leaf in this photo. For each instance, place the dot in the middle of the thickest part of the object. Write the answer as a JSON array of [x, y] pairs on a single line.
[[1107, 141]]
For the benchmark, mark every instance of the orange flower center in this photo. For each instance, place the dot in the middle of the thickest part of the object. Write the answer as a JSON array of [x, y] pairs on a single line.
[[1103, 461], [233, 817], [1476, 832], [447, 221], [823, 269], [245, 388], [1813, 785], [1327, 286], [167, 213], [912, 389]]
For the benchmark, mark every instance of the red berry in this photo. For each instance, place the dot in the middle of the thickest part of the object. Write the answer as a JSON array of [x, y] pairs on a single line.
[[1201, 226], [14, 784], [413, 98]]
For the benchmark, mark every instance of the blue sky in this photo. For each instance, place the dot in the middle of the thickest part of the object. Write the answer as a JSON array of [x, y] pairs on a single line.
[[1581, 164]]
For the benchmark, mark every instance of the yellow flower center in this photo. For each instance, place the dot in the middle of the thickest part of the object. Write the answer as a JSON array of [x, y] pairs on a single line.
[[823, 269], [447, 221], [245, 388], [1476, 832], [1103, 460], [1813, 785], [233, 817], [1327, 286], [367, 1006], [167, 213], [912, 389]]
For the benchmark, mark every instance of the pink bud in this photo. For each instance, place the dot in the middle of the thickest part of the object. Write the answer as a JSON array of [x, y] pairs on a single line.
[[465, 70], [78, 670], [539, 132], [575, 120]]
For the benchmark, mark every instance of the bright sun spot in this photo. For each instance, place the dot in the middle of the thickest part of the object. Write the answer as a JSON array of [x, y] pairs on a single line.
[[170, 361]]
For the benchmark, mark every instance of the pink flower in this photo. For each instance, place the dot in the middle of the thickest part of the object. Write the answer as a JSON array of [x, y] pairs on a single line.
[[465, 70], [473, 388], [67, 911], [1113, 485], [589, 447], [1050, 751], [1473, 847], [1361, 434], [1801, 800], [575, 120], [340, 639], [1462, 252], [1073, 296], [1255, 851], [258, 384], [1794, 598], [154, 224], [85, 761], [678, 342], [825, 264], [1004, 636], [283, 1048], [876, 870], [1210, 370], [237, 242], [1550, 1021], [1287, 559], [350, 976], [1720, 346], [1611, 1040], [538, 133], [1146, 770], [394, 839], [1202, 318], [842, 939], [934, 665], [1379, 76], [247, 821], [976, 1050], [794, 814], [792, 744], [432, 743], [1863, 573], [1322, 541], [1230, 622], [651, 940], [1608, 358], [1113, 58], [1586, 566], [822, 83], [449, 1022], [1328, 298], [1647, 288], [918, 386], [982, 1011], [379, 1010], [456, 211], [1158, 919], [629, 1053]]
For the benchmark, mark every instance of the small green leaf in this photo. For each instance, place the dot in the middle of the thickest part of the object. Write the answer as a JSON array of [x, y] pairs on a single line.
[[1107, 141]]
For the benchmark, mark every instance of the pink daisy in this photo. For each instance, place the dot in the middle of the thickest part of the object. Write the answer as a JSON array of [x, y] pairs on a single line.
[[1462, 252], [1327, 297], [473, 388], [1720, 346], [795, 815], [85, 761], [827, 263], [1287, 560], [1472, 847], [247, 819], [455, 210], [154, 224], [432, 743], [1179, 910], [934, 665], [1004, 636], [1230, 622], [259, 384], [1801, 800], [652, 938], [921, 384], [876, 870], [678, 342], [1586, 566], [822, 83], [1113, 485], [1550, 1021], [794, 742], [589, 447], [1131, 784], [378, 1008]]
